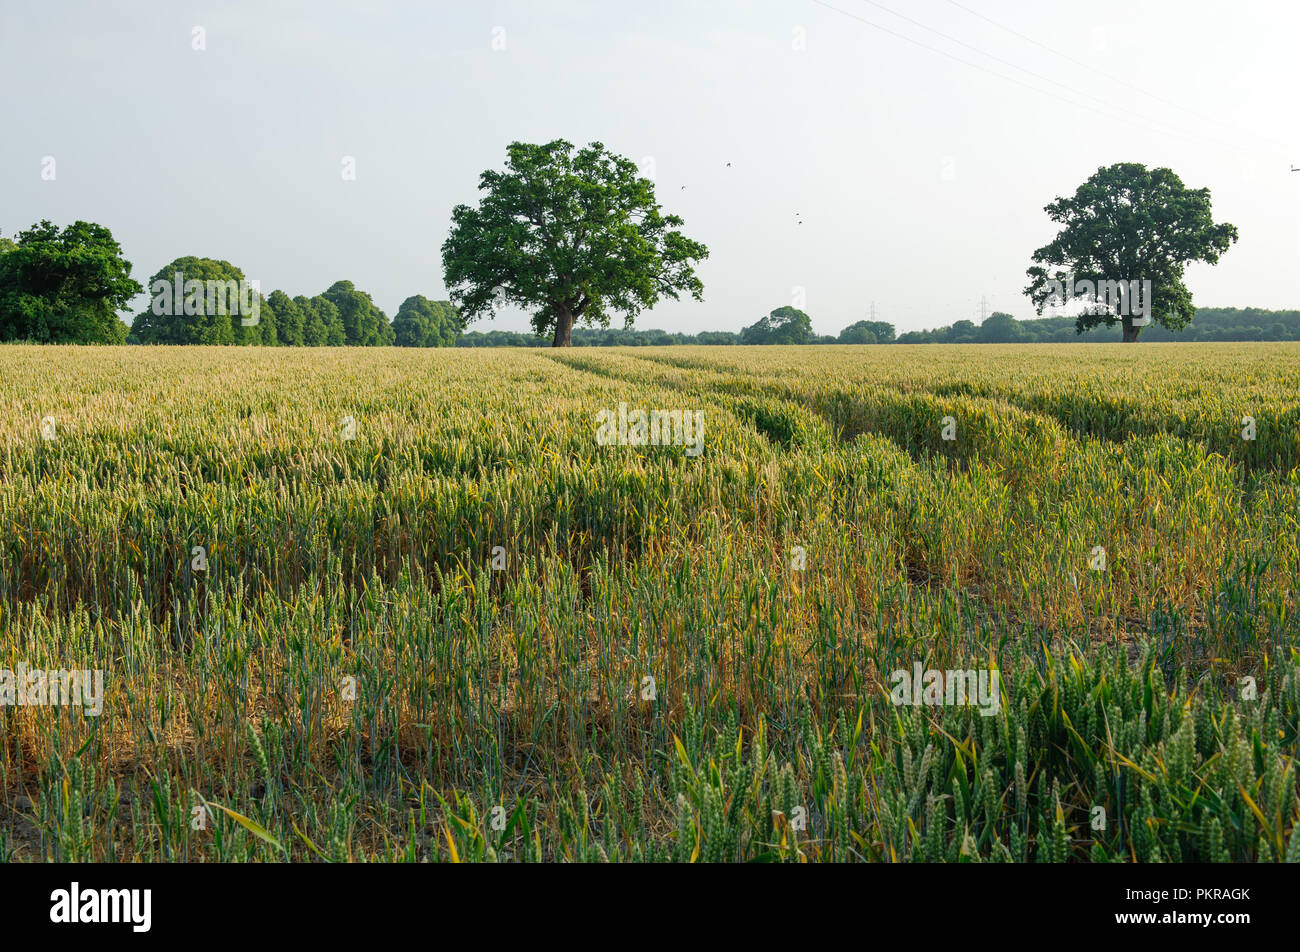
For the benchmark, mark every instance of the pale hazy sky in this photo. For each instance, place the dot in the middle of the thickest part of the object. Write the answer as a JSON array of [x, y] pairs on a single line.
[[920, 179]]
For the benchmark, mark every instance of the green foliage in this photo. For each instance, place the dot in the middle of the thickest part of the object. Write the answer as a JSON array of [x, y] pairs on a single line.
[[600, 337], [200, 315], [364, 324], [1001, 328], [340, 316], [1094, 760], [420, 322], [574, 237], [321, 324], [289, 320], [785, 325], [1130, 223], [868, 332], [1210, 324], [64, 286]]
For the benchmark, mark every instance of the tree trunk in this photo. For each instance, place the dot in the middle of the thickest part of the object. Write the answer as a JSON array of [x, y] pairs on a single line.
[[1130, 332], [563, 327]]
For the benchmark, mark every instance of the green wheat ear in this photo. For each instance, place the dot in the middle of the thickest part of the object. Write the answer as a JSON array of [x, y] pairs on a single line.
[[259, 755]]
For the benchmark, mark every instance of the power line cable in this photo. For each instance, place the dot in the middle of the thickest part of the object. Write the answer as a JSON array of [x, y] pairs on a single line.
[[1078, 92], [1147, 125], [1006, 62], [1114, 79]]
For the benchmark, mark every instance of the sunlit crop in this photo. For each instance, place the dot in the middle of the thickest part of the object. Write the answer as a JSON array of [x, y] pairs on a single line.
[[437, 619]]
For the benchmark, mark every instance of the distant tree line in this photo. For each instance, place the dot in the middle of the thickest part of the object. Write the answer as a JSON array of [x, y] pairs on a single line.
[[785, 325], [187, 307], [1210, 324], [68, 285]]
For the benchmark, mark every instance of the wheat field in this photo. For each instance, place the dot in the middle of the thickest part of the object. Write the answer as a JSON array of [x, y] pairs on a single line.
[[408, 605]]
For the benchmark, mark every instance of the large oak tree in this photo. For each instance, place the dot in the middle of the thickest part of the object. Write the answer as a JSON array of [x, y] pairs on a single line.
[[64, 286], [1129, 223], [569, 235]]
